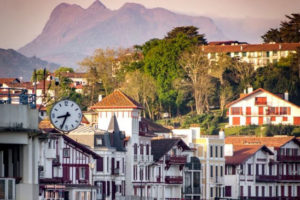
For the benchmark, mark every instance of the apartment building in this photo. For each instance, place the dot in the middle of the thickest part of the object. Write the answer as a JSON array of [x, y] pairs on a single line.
[[263, 107], [109, 143], [257, 54], [19, 153], [137, 142], [167, 171], [262, 167], [210, 151]]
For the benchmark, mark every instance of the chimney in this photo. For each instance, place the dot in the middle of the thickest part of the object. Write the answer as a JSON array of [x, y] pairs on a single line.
[[279, 46], [100, 97], [241, 47], [250, 90], [221, 134], [286, 95]]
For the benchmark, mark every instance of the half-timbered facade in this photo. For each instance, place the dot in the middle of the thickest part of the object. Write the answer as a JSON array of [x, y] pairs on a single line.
[[262, 107], [262, 167], [65, 169]]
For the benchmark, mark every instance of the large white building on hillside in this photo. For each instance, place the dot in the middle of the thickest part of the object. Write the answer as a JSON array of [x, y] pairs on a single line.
[[263, 107]]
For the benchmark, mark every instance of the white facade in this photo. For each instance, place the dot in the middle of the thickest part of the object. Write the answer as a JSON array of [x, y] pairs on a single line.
[[265, 174], [262, 107]]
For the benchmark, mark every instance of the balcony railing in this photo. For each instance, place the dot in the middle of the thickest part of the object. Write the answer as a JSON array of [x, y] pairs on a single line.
[[176, 160], [7, 188], [115, 171], [17, 96], [173, 179], [290, 178], [266, 178], [288, 158], [190, 190]]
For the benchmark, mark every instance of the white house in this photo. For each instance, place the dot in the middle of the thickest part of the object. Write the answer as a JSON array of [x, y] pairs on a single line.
[[262, 167], [138, 139], [262, 107]]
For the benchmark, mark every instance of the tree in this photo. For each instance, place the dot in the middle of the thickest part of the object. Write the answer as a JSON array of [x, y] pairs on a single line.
[[39, 75], [142, 88], [190, 31], [196, 66], [289, 31]]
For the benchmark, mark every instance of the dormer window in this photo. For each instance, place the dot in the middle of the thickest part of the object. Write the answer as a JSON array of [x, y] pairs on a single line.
[[98, 141], [260, 100]]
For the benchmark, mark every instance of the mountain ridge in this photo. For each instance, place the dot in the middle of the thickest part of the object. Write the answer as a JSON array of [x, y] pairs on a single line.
[[14, 65], [76, 32]]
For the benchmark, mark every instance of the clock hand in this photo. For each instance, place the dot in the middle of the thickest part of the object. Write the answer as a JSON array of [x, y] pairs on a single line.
[[61, 116], [66, 116]]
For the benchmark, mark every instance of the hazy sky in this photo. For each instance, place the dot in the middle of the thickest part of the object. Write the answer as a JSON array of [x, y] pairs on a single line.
[[22, 20]]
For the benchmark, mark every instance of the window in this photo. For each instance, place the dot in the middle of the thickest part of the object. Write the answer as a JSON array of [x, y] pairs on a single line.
[[217, 171], [249, 169], [256, 191], [262, 191], [135, 149], [98, 141], [147, 149], [260, 100], [236, 111], [263, 169], [249, 191], [82, 173], [211, 192], [242, 191], [221, 151], [211, 151], [244, 54], [284, 119], [257, 169], [227, 191], [221, 171], [211, 171], [141, 149], [66, 152], [270, 191], [99, 165], [216, 152]]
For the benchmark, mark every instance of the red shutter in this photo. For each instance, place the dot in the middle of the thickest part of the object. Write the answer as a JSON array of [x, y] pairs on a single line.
[[236, 121], [277, 110], [248, 110], [241, 110], [99, 164], [260, 120], [297, 121], [248, 121], [288, 110]]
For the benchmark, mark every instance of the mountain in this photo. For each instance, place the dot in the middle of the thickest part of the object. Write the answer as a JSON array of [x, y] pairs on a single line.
[[73, 32], [14, 64]]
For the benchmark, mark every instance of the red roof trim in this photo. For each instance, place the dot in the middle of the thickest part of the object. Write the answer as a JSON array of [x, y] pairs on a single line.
[[261, 90]]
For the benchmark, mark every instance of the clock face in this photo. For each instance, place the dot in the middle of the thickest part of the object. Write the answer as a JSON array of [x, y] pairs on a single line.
[[66, 115]]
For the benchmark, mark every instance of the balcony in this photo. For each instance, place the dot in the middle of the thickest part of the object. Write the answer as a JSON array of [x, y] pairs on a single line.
[[190, 190], [115, 171], [7, 188], [266, 178], [289, 178], [288, 158], [176, 160], [173, 179]]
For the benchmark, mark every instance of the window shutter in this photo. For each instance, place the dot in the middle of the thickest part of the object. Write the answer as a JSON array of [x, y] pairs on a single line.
[[108, 188], [103, 187], [87, 170], [288, 110], [99, 164], [77, 173]]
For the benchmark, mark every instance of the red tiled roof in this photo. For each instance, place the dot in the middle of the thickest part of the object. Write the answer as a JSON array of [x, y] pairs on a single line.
[[254, 92], [242, 152], [117, 99], [250, 47], [276, 141], [7, 80]]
